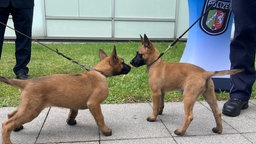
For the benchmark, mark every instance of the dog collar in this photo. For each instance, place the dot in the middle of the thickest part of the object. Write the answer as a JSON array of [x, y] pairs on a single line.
[[155, 60], [100, 72]]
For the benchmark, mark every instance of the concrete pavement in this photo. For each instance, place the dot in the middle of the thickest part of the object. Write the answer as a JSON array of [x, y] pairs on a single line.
[[129, 125]]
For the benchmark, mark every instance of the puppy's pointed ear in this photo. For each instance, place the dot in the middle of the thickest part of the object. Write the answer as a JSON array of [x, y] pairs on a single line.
[[114, 56], [102, 54], [147, 42], [142, 40]]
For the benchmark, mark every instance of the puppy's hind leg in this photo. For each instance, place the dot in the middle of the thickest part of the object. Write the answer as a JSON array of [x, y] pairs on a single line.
[[190, 96], [20, 117], [10, 115], [210, 98], [72, 116]]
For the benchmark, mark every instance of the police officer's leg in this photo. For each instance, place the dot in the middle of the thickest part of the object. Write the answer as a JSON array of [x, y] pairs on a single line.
[[22, 19], [242, 55], [4, 14]]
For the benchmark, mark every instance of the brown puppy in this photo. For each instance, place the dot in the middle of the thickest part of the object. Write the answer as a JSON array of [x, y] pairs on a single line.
[[73, 91], [166, 76]]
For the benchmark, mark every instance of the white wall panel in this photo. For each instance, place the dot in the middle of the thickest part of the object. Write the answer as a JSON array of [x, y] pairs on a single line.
[[182, 18], [78, 28], [61, 8], [133, 29], [95, 8], [145, 8]]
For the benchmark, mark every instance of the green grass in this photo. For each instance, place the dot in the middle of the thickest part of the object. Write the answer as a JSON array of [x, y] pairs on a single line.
[[129, 88]]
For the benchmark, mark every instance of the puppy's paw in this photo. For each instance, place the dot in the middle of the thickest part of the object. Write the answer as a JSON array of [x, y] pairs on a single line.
[[161, 109], [179, 132], [150, 119], [216, 130], [160, 112], [108, 132], [18, 128], [71, 122]]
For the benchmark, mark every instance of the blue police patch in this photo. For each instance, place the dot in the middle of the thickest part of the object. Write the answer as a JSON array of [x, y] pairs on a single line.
[[215, 21]]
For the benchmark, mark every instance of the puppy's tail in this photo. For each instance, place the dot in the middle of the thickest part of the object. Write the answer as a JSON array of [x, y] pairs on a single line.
[[227, 72], [14, 82], [224, 72]]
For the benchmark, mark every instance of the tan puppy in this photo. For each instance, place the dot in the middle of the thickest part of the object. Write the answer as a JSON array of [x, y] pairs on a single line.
[[73, 91], [166, 76]]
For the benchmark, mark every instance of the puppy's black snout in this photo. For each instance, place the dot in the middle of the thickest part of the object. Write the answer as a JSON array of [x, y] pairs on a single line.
[[127, 69], [137, 60], [132, 62]]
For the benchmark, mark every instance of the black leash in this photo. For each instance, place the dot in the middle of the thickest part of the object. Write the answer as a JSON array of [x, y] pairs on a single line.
[[177, 39], [54, 50]]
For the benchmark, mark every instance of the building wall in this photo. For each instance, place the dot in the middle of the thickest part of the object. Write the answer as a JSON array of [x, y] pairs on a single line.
[[108, 19]]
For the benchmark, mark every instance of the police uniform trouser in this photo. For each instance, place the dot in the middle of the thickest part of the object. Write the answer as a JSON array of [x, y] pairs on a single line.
[[242, 48], [22, 18]]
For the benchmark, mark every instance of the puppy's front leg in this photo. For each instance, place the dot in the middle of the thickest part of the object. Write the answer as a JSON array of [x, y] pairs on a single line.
[[156, 100], [161, 104], [95, 109], [189, 101], [71, 117]]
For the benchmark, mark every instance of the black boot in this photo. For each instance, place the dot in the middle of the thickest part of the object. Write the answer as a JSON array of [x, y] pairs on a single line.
[[233, 107]]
